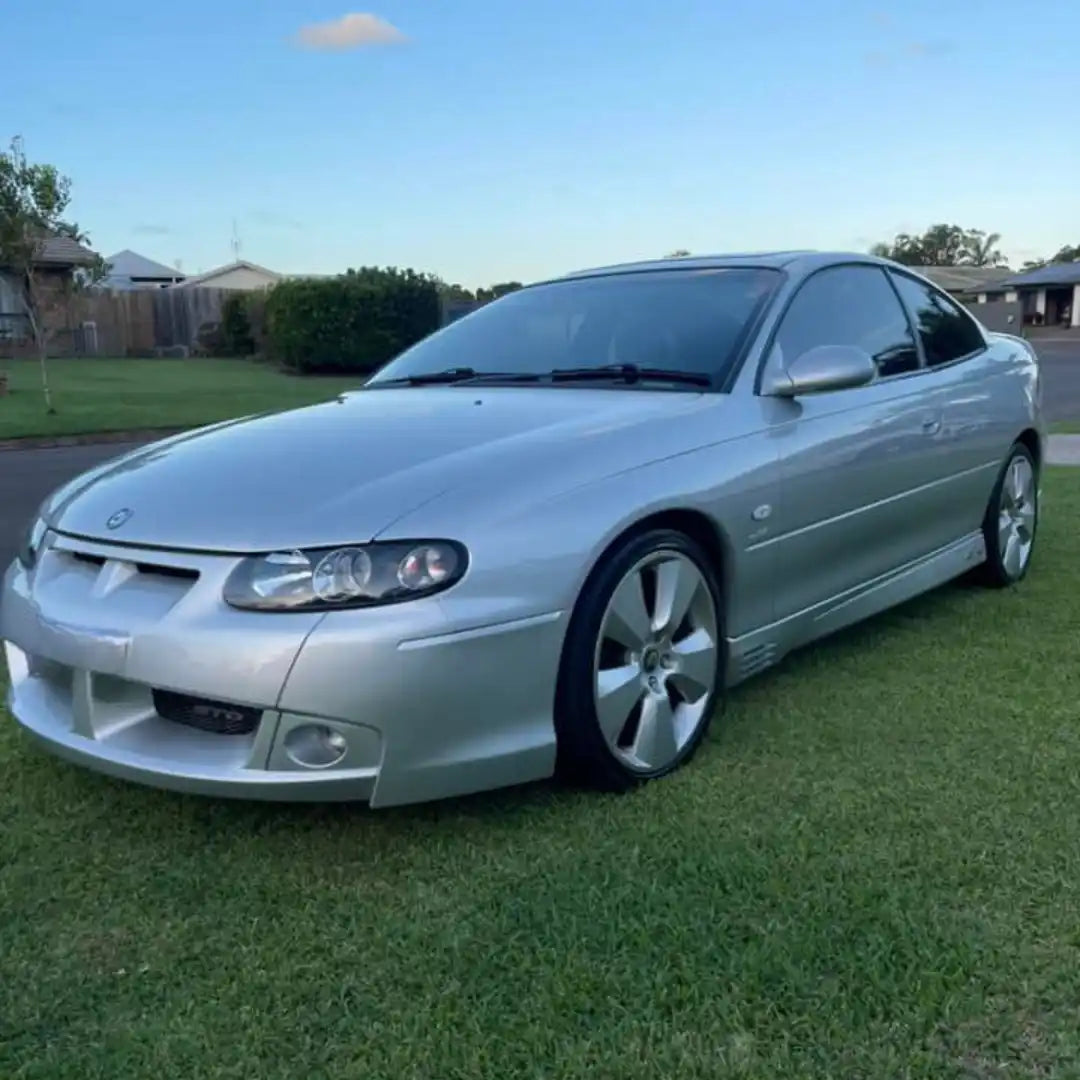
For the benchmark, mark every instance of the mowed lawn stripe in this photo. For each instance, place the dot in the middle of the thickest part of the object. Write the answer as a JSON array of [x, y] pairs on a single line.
[[872, 869]]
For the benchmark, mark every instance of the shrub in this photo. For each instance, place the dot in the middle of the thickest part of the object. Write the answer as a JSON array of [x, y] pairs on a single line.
[[236, 338], [256, 316], [352, 323], [209, 340]]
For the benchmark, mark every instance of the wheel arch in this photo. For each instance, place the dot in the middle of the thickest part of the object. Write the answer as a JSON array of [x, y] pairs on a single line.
[[696, 524], [1029, 439]]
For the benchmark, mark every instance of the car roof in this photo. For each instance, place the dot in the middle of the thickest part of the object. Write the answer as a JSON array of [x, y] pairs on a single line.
[[799, 262]]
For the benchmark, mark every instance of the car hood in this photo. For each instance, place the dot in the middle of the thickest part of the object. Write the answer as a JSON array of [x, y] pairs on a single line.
[[343, 471]]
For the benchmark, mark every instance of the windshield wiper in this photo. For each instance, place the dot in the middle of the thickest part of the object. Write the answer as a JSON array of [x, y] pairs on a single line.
[[629, 373], [455, 375]]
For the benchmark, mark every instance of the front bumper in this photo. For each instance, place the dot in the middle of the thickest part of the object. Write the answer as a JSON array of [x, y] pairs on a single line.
[[429, 700]]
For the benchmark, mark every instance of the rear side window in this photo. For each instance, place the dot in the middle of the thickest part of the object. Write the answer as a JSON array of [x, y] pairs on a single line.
[[850, 305], [947, 332]]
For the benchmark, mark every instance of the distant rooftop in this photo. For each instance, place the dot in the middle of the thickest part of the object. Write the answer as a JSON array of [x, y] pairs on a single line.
[[1052, 274], [130, 264], [63, 251], [965, 279]]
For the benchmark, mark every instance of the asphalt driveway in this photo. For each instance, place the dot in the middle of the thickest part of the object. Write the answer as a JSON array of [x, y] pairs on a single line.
[[1059, 358], [27, 476]]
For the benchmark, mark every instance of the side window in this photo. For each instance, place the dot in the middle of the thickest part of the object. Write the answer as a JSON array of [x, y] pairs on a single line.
[[850, 305], [947, 332]]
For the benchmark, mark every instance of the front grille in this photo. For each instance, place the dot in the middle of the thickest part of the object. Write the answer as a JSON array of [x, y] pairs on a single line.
[[214, 716], [183, 572]]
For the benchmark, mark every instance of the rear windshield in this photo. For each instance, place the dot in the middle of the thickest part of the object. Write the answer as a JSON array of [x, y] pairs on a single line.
[[678, 320]]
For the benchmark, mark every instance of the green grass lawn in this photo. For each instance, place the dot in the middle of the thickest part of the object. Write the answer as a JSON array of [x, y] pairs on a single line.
[[1066, 427], [871, 870], [93, 395]]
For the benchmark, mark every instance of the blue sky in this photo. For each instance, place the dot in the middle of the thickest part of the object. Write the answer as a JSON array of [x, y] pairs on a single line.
[[509, 140]]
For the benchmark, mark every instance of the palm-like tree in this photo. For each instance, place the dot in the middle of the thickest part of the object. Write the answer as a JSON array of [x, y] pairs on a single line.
[[981, 249]]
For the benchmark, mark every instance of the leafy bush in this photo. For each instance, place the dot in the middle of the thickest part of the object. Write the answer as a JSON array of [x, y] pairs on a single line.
[[354, 323], [236, 339], [209, 340], [256, 316]]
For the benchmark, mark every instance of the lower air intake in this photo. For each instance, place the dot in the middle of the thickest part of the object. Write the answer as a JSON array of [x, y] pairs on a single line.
[[214, 716]]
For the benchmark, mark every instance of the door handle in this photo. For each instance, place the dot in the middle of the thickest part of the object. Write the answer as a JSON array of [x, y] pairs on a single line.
[[931, 425]]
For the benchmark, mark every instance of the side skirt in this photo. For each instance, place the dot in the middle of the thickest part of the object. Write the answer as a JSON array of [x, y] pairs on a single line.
[[761, 649]]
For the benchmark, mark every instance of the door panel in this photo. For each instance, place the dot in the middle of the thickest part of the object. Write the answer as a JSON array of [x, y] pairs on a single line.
[[861, 474], [863, 470]]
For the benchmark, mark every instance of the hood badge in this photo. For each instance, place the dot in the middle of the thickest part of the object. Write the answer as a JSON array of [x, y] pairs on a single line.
[[114, 521]]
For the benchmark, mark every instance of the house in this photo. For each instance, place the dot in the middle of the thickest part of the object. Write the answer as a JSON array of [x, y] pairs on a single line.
[[970, 284], [239, 275], [58, 260], [1049, 295], [130, 270]]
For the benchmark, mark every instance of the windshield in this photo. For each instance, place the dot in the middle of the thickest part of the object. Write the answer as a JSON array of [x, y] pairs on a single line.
[[672, 320]]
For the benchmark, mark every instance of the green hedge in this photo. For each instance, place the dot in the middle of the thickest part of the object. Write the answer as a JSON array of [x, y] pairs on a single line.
[[352, 323], [235, 330]]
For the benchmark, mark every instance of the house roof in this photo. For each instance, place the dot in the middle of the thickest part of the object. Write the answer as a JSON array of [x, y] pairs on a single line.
[[218, 271], [1051, 274], [63, 251], [131, 264], [966, 279]]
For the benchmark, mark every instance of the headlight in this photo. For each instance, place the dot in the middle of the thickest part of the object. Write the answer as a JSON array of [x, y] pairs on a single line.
[[345, 577], [31, 542]]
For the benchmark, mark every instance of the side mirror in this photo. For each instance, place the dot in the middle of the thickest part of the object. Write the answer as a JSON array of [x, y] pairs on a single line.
[[818, 370]]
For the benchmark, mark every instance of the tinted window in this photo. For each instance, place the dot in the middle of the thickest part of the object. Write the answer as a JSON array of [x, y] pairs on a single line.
[[947, 333], [850, 305], [689, 320]]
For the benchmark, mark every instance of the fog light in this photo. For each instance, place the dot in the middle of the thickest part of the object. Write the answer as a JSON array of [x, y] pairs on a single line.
[[315, 746]]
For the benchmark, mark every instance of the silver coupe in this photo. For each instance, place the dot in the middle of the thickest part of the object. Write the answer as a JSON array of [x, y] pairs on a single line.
[[545, 539]]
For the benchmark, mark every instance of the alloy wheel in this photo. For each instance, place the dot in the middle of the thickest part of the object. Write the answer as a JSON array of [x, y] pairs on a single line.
[[656, 660], [1016, 516]]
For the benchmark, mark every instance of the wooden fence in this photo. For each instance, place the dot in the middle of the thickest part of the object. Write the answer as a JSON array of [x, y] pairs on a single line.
[[142, 322], [136, 322]]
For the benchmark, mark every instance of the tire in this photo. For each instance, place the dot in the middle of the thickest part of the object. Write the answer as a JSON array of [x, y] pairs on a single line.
[[636, 691], [1011, 520]]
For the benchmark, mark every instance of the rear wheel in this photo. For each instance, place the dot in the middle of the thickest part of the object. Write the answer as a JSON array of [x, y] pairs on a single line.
[[1011, 520], [641, 670]]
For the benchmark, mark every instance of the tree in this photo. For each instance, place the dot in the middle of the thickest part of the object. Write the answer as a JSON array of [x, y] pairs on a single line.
[[493, 292], [943, 245], [982, 249], [455, 293], [33, 204], [1069, 253]]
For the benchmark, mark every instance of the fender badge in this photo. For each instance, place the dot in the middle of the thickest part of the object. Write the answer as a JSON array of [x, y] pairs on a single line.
[[761, 513], [114, 521]]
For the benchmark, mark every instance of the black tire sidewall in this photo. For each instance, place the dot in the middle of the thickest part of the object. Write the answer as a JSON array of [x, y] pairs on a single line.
[[583, 752]]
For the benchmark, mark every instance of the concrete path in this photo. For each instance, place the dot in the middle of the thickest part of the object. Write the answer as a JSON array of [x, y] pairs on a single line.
[[1063, 450]]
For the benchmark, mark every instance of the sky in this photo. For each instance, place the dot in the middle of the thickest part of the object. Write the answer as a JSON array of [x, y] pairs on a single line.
[[487, 141]]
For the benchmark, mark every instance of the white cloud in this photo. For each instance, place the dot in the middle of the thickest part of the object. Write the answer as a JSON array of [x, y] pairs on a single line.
[[353, 31]]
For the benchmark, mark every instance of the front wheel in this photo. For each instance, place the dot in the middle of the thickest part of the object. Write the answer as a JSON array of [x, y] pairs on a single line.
[[1011, 521], [642, 665]]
